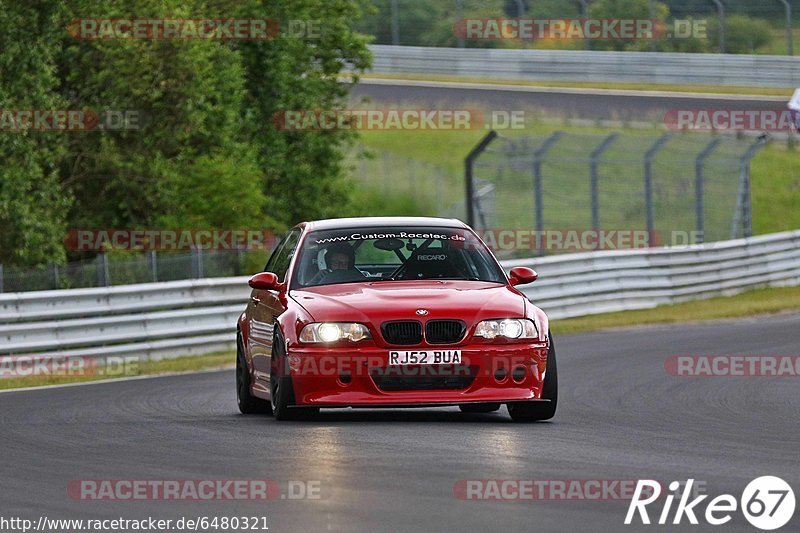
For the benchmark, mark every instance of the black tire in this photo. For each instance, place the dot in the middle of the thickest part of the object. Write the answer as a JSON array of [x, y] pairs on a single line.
[[281, 390], [479, 407], [248, 404], [534, 411]]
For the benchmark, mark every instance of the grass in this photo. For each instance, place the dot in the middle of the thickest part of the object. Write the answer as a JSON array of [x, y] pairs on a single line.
[[143, 368], [756, 302], [775, 190], [625, 86]]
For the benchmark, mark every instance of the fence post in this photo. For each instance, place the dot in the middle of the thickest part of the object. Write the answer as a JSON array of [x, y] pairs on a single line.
[[721, 9], [538, 156], [699, 188], [469, 164], [55, 276], [587, 44], [102, 270], [605, 145], [395, 14], [789, 32], [386, 179], [742, 215], [1, 278], [459, 18], [648, 181]]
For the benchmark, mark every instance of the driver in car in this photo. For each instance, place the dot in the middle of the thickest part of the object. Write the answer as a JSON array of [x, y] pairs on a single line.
[[340, 260]]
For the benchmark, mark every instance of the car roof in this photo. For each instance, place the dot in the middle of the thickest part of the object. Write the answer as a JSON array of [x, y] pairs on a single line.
[[376, 222]]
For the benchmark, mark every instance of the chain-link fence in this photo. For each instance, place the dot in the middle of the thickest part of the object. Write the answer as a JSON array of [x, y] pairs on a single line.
[[693, 187], [663, 184], [145, 267], [430, 189]]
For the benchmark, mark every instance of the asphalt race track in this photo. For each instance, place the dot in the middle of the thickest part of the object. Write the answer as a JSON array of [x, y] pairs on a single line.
[[621, 416], [636, 106]]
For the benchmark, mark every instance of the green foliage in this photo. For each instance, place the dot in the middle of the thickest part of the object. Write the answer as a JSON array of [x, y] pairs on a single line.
[[32, 204], [743, 35], [304, 173], [206, 153]]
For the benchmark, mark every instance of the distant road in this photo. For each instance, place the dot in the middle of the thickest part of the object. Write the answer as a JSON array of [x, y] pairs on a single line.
[[594, 104]]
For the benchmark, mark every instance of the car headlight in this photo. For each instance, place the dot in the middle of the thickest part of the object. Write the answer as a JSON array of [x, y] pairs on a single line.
[[509, 328], [334, 331]]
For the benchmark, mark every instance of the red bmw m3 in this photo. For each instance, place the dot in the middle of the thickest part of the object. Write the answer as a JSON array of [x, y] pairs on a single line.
[[392, 312]]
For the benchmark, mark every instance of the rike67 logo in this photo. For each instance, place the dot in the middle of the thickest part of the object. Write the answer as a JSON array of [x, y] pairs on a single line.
[[767, 502]]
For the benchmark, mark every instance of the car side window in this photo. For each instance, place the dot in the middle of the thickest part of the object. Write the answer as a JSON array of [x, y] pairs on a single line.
[[281, 259], [274, 255]]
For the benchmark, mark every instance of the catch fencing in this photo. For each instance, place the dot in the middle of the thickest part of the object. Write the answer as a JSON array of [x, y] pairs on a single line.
[[661, 183]]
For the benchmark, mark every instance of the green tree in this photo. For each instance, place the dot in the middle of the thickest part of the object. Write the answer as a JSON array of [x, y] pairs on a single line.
[[188, 96], [32, 204], [304, 171]]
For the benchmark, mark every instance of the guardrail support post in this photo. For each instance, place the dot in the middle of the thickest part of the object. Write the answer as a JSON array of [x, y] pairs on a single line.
[[102, 270], [469, 178], [197, 263], [605, 145], [153, 260], [699, 188], [648, 180], [538, 156]]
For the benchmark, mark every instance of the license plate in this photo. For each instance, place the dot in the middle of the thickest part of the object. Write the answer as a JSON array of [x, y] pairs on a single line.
[[425, 357]]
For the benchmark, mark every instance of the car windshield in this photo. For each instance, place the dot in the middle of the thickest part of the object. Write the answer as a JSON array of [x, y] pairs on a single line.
[[392, 254]]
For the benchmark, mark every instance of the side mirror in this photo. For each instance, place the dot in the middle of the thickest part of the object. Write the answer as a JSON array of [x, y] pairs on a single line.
[[522, 275], [265, 281]]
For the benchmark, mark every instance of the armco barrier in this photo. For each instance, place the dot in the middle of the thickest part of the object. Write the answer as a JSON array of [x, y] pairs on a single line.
[[160, 320], [570, 65]]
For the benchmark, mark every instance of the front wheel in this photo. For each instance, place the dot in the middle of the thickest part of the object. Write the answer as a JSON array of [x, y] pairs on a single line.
[[533, 411], [281, 390]]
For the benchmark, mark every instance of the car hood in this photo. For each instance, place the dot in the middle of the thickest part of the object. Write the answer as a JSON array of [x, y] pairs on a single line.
[[377, 302]]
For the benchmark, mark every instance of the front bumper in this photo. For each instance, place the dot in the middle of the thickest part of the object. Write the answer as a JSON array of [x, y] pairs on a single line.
[[362, 377]]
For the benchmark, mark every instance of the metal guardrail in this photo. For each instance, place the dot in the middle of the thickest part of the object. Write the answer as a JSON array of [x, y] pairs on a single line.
[[169, 319], [569, 65]]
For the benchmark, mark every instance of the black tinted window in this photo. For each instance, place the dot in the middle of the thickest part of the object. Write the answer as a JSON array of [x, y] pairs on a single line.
[[280, 260]]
